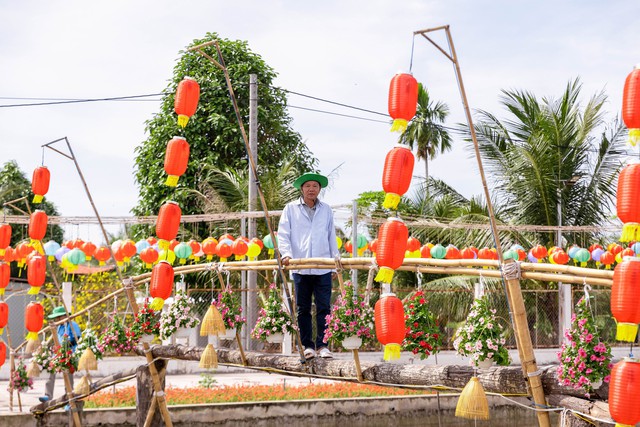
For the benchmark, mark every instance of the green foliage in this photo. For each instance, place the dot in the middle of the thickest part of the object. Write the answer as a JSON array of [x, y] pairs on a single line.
[[423, 336], [207, 380], [213, 133]]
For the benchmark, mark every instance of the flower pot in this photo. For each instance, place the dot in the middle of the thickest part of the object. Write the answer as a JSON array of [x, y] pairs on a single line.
[[352, 343], [229, 335], [486, 363], [182, 333], [276, 337], [596, 384], [148, 338]]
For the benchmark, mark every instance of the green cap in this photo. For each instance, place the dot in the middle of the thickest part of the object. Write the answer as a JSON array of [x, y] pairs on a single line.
[[310, 176], [57, 312]]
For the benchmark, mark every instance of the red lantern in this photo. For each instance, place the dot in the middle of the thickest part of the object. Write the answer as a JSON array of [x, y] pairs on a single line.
[[631, 105], [5, 276], [149, 256], [3, 353], [539, 252], [176, 159], [33, 319], [467, 253], [239, 248], [628, 202], [102, 254], [403, 100], [168, 223], [624, 392], [40, 183], [625, 299], [389, 323], [627, 252], [5, 237], [196, 249], [396, 175], [161, 284], [224, 250], [89, 249], [36, 273], [186, 102], [486, 253], [128, 249], [606, 259], [392, 244], [348, 246], [38, 225], [258, 242], [373, 246], [425, 251], [560, 257], [209, 246], [413, 244], [4, 315], [452, 253]]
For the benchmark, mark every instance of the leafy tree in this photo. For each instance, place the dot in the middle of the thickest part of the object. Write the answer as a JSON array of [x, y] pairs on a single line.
[[213, 133]]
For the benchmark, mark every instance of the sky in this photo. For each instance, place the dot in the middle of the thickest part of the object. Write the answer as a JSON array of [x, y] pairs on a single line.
[[342, 51]]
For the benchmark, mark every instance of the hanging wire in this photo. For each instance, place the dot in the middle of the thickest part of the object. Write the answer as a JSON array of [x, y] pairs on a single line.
[[413, 42]]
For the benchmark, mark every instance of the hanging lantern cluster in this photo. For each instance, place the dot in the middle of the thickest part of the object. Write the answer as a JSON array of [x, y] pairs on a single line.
[[624, 392], [396, 175], [628, 202], [625, 299], [40, 183], [403, 100], [186, 102], [389, 323], [631, 105]]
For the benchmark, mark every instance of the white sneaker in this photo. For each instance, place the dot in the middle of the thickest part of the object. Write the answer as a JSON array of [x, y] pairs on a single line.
[[309, 353], [325, 353]]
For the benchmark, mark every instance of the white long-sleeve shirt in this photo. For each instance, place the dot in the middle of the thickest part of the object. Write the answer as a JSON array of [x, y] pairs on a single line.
[[302, 236]]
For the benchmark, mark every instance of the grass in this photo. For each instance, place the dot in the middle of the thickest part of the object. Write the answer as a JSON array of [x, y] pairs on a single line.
[[126, 396]]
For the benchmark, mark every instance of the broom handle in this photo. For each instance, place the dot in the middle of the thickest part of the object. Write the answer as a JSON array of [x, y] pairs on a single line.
[[242, 356], [356, 359]]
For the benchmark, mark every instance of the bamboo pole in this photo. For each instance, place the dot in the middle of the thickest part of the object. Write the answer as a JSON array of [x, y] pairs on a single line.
[[68, 388], [356, 360], [242, 355]]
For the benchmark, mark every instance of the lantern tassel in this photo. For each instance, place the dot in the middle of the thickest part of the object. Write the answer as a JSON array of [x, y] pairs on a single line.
[[385, 275], [183, 120], [156, 304], [83, 387], [392, 352], [88, 361], [32, 336], [634, 136], [399, 125], [209, 358], [212, 323], [630, 232], [38, 197], [34, 290], [473, 402], [172, 180], [391, 201], [34, 370], [626, 332]]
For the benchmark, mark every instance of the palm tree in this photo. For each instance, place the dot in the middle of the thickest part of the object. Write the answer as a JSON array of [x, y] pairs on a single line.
[[426, 131], [548, 156]]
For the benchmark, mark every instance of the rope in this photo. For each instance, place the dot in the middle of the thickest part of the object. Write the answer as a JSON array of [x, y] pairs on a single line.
[[511, 270]]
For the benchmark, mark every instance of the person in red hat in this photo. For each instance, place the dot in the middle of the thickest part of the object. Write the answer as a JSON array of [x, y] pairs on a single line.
[[306, 230]]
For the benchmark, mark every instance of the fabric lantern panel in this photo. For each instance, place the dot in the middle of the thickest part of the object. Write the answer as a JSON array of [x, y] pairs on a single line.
[[403, 100], [392, 244], [186, 102], [625, 299], [4, 315], [168, 223], [628, 202], [176, 159], [396, 175], [40, 183], [624, 392], [33, 320], [389, 324], [161, 285], [631, 105]]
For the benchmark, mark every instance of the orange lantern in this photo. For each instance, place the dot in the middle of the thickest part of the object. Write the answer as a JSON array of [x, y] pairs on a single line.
[[625, 298], [239, 248], [224, 250], [3, 353], [467, 253], [149, 256], [161, 284], [37, 226], [413, 244], [36, 273], [452, 253], [196, 249], [128, 248], [606, 259], [33, 320], [9, 254], [624, 392], [425, 251], [176, 159], [389, 324], [168, 223], [5, 237], [396, 175], [258, 242], [102, 254], [539, 252], [348, 246], [4, 315], [40, 183], [5, 276], [89, 249], [403, 100], [392, 244], [559, 257], [631, 105], [209, 246], [628, 202], [186, 102], [485, 253], [373, 246]]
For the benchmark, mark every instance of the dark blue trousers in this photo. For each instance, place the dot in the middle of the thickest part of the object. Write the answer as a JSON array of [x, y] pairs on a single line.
[[318, 287]]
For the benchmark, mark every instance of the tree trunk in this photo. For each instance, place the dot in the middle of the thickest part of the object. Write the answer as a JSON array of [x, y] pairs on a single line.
[[144, 393]]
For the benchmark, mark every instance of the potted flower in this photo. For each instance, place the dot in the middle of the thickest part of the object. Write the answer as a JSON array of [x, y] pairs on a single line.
[[481, 336], [422, 336], [20, 381], [146, 323], [179, 315], [230, 309], [64, 358], [273, 320], [116, 338], [44, 358], [585, 361], [351, 320]]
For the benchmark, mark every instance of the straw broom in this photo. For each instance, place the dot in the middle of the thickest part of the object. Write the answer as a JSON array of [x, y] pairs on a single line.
[[212, 323], [88, 361], [83, 386], [33, 371], [473, 402], [209, 358]]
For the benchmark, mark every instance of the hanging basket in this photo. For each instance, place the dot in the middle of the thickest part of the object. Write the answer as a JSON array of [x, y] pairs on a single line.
[[485, 364], [276, 338], [352, 343], [230, 334]]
